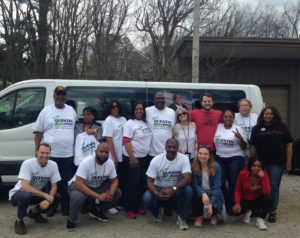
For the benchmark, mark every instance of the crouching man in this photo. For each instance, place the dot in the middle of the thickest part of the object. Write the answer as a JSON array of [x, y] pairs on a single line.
[[169, 176], [36, 186], [96, 185]]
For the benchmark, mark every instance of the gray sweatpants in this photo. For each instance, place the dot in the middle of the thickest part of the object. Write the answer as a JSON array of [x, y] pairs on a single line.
[[77, 198]]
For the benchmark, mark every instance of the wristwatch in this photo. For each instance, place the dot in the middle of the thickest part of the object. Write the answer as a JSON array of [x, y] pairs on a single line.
[[174, 188]]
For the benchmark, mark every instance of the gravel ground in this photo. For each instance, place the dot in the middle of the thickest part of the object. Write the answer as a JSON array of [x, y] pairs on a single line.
[[119, 226]]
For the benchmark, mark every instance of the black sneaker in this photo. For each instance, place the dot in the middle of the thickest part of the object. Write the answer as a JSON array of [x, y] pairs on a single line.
[[98, 215], [52, 210], [20, 228], [272, 216], [71, 226], [37, 217]]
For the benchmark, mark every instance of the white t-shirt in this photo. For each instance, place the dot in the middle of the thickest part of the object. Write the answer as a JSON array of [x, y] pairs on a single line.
[[247, 123], [140, 135], [85, 147], [57, 126], [113, 127], [37, 175], [95, 174], [167, 173], [160, 123], [227, 145]]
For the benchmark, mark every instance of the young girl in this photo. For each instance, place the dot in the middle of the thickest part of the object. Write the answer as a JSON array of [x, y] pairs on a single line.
[[252, 193], [207, 186]]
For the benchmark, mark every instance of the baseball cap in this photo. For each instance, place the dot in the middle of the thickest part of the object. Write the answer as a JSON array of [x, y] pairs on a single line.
[[60, 90]]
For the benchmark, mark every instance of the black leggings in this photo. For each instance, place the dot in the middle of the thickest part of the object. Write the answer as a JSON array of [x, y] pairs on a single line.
[[262, 205]]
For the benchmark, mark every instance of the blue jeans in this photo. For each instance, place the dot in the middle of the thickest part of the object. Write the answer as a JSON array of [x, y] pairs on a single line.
[[182, 196], [66, 169], [231, 168], [275, 172]]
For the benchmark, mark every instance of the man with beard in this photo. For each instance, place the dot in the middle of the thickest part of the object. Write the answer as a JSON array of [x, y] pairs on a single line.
[[160, 119], [95, 183], [55, 126], [206, 120], [168, 179]]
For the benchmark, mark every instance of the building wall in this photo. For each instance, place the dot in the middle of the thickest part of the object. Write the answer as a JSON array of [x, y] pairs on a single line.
[[281, 75], [276, 74]]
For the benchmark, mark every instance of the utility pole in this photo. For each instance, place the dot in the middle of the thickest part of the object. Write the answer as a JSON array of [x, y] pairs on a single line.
[[196, 43]]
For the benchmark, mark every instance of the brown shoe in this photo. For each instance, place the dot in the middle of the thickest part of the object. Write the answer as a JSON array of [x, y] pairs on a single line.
[[20, 228]]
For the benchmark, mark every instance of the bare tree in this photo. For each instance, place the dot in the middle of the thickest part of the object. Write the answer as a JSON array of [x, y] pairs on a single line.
[[108, 26], [70, 23], [292, 16], [13, 34], [161, 20]]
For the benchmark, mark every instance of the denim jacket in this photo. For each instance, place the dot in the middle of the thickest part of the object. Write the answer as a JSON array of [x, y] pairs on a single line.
[[216, 196]]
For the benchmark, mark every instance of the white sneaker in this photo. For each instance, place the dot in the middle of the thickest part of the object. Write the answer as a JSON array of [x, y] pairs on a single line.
[[112, 211], [158, 219], [247, 217], [260, 223], [182, 223]]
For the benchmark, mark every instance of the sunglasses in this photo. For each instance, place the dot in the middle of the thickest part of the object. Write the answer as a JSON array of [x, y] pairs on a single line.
[[60, 94], [180, 114], [114, 106]]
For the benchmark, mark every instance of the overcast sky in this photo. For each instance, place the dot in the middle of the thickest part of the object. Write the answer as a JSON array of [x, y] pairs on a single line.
[[268, 2]]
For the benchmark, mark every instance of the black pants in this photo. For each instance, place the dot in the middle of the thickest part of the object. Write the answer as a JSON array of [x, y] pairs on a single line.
[[135, 184], [122, 174], [262, 205], [23, 199]]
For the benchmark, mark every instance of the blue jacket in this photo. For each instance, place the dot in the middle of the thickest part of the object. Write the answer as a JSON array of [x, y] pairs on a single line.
[[216, 196]]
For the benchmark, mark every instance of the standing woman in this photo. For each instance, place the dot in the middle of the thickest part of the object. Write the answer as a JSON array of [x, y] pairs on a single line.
[[184, 132], [113, 132], [137, 138], [245, 119], [271, 142], [87, 135], [89, 124], [230, 140], [207, 186]]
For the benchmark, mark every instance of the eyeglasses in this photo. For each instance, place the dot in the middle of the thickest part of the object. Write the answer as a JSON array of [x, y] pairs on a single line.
[[180, 114], [114, 106]]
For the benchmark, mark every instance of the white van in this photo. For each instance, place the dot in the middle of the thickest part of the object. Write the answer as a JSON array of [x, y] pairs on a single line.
[[21, 103]]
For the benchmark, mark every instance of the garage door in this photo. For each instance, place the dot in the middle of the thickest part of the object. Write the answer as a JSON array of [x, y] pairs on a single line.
[[278, 97]]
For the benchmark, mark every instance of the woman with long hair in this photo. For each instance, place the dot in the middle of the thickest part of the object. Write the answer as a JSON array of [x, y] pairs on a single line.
[[272, 143], [207, 186], [252, 193], [184, 132], [136, 138]]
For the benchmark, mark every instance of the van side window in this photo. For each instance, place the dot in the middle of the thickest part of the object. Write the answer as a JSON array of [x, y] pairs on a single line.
[[224, 99], [99, 98], [21, 107]]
